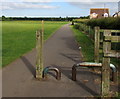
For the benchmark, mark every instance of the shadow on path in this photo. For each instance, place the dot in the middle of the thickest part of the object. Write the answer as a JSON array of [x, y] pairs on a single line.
[[73, 57], [67, 71], [87, 88], [28, 65], [69, 43]]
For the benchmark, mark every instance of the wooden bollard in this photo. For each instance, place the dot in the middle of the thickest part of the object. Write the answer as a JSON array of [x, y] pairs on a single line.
[[39, 60], [39, 48]]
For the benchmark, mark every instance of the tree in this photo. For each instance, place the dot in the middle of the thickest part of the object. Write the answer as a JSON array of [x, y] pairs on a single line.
[[25, 18], [3, 18]]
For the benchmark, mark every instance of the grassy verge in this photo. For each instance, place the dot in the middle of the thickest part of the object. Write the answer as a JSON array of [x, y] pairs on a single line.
[[82, 27], [88, 47], [86, 43], [19, 37]]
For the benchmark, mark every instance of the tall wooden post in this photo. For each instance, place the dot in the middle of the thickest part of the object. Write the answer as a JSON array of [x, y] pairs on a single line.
[[106, 66], [39, 48], [97, 44]]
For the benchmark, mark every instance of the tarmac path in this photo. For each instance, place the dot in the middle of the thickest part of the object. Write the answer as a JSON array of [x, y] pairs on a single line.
[[60, 50]]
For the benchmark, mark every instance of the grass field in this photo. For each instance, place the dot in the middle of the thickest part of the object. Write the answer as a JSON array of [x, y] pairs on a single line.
[[19, 37]]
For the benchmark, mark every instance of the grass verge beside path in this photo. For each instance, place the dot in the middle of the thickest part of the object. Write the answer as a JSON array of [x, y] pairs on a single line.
[[19, 37], [86, 45]]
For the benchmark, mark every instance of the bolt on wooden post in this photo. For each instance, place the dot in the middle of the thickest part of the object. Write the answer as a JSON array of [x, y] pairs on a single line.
[[97, 44], [39, 48], [106, 66]]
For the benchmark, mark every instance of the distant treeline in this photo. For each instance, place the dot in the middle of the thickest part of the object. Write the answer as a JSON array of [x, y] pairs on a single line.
[[3, 18]]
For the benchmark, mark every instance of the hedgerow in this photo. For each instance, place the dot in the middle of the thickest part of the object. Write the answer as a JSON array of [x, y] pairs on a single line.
[[105, 23]]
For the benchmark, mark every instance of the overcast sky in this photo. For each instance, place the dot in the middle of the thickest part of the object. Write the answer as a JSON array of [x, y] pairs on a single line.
[[56, 8]]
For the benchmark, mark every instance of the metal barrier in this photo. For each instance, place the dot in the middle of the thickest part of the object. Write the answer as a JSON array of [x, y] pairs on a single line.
[[51, 68], [89, 64]]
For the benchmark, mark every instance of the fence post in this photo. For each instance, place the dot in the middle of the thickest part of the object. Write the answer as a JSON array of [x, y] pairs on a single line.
[[39, 48], [97, 44], [89, 32], [105, 66]]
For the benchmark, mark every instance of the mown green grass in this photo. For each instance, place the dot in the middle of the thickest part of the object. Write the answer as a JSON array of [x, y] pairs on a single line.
[[19, 37], [86, 44]]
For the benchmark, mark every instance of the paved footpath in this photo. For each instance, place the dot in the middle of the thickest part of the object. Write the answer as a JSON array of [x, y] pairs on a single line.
[[60, 50]]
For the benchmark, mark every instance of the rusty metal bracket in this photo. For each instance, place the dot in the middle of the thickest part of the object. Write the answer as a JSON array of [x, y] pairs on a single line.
[[51, 68]]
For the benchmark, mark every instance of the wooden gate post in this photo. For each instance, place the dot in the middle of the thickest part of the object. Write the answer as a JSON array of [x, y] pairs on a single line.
[[106, 66], [97, 44], [39, 48]]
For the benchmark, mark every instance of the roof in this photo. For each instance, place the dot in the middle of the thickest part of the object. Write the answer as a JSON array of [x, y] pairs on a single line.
[[99, 10]]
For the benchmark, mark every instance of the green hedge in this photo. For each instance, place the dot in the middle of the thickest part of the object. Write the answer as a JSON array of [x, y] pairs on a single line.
[[105, 23], [87, 29]]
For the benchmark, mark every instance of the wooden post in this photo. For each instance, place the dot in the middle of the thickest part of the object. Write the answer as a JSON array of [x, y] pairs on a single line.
[[42, 26], [89, 32], [39, 48], [106, 66], [86, 29], [97, 44], [72, 22], [105, 77]]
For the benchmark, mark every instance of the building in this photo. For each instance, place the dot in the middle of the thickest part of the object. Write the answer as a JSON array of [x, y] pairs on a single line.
[[99, 13], [117, 14]]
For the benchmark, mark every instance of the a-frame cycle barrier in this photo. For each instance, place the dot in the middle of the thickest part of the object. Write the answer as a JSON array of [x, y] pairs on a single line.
[[106, 39]]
